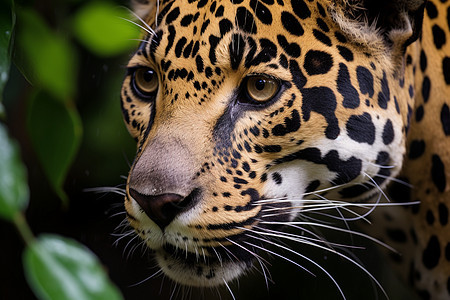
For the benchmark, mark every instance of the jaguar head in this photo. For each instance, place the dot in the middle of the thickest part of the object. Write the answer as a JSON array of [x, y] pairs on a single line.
[[246, 112]]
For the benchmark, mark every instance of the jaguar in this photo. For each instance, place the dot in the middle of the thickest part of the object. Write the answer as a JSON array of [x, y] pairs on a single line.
[[251, 115]]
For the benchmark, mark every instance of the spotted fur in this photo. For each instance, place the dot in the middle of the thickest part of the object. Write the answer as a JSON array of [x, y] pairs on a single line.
[[360, 114]]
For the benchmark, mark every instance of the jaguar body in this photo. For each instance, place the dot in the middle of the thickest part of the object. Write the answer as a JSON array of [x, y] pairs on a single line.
[[248, 113]]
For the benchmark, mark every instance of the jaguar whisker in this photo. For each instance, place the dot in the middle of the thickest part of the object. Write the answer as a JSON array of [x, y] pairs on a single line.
[[123, 235], [175, 288], [302, 256], [156, 274], [377, 186], [332, 228], [219, 257], [127, 245], [229, 289], [106, 189], [157, 13], [354, 262], [390, 178], [359, 216], [319, 240], [146, 27], [242, 247], [276, 254], [315, 208]]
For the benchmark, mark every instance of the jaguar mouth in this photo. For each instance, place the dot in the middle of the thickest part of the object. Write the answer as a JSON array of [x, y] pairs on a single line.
[[189, 263], [207, 267]]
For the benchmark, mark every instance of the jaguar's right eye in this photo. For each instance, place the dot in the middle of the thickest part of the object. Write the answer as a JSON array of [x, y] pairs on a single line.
[[145, 82], [261, 88]]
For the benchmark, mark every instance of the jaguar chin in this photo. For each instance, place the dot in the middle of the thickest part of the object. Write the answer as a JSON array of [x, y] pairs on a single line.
[[202, 270]]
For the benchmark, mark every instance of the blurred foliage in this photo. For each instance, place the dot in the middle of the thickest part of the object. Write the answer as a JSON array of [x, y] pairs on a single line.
[[13, 185], [59, 268], [55, 140], [46, 58], [40, 101], [7, 20], [100, 27]]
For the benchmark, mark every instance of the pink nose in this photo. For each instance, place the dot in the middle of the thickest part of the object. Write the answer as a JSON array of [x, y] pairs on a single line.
[[162, 209]]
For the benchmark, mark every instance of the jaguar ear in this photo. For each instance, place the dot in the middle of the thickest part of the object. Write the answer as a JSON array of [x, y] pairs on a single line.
[[142, 8], [386, 24]]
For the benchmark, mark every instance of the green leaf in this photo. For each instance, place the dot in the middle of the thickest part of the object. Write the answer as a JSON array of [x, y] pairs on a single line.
[[13, 178], [58, 268], [6, 27], [55, 130], [102, 28], [46, 58]]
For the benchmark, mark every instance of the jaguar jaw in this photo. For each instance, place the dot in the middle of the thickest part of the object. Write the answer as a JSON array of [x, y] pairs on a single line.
[[208, 267]]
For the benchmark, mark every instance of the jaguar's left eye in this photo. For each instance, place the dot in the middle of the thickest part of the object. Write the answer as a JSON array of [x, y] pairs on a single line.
[[145, 81], [261, 88]]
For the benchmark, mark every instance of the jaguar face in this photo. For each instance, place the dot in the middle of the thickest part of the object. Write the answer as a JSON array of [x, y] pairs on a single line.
[[245, 113]]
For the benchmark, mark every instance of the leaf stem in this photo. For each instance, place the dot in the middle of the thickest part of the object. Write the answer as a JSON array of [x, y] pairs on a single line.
[[23, 228]]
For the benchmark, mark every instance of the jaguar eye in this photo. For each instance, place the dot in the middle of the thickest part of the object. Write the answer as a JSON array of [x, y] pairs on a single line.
[[145, 81], [261, 88]]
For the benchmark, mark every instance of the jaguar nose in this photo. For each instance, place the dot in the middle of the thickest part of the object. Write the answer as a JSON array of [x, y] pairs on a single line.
[[162, 209]]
